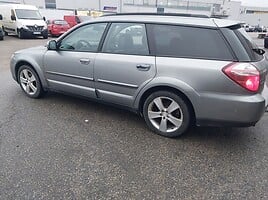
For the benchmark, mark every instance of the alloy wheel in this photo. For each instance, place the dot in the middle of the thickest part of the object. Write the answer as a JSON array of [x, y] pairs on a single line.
[[165, 114], [28, 82]]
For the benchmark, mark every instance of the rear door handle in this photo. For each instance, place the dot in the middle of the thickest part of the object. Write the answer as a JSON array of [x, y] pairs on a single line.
[[143, 67], [84, 61]]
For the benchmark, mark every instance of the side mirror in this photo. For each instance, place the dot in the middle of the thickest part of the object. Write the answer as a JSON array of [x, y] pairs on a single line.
[[13, 18], [52, 45], [1, 17], [44, 18]]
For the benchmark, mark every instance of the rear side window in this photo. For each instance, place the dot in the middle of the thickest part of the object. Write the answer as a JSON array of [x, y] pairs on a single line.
[[126, 38], [189, 42], [242, 44], [249, 44]]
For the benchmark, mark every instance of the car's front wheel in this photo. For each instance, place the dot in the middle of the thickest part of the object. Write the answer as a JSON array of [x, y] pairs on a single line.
[[6, 33], [167, 114], [30, 82], [20, 34]]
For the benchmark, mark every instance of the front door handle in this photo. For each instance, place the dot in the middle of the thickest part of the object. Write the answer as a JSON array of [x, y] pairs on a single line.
[[143, 67], [84, 61]]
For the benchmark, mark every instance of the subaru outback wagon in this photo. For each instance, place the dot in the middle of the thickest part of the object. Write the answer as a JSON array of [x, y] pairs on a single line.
[[175, 70]]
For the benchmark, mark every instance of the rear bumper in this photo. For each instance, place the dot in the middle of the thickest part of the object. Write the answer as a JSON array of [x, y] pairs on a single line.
[[53, 32], [229, 110]]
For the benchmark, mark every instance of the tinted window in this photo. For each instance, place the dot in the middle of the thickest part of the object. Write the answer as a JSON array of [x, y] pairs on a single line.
[[126, 38], [249, 44], [180, 41], [237, 46], [50, 4], [85, 38]]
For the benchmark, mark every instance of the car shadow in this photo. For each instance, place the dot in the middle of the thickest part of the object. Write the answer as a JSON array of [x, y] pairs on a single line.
[[228, 134]]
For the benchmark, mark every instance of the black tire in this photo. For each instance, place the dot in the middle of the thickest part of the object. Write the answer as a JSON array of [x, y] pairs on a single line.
[[6, 33], [183, 112], [45, 36], [2, 38], [266, 42], [37, 83], [20, 34]]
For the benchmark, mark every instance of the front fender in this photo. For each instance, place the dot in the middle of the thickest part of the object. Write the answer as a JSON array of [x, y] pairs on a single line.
[[35, 63]]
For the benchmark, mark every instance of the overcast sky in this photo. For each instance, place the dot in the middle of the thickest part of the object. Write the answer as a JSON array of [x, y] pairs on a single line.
[[257, 3]]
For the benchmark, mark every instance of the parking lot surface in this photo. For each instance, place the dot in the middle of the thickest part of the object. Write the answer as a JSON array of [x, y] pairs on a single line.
[[62, 147]]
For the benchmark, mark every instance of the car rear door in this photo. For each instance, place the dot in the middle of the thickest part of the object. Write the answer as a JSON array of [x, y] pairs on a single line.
[[124, 66]]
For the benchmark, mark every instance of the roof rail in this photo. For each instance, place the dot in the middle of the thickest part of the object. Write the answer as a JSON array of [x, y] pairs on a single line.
[[162, 14]]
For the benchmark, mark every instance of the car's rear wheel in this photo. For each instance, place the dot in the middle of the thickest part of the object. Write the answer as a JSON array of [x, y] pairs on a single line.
[[45, 35], [167, 114], [266, 42], [30, 82], [1, 37]]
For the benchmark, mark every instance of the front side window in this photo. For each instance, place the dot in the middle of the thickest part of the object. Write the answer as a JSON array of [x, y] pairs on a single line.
[[85, 38], [189, 42], [28, 14], [126, 38]]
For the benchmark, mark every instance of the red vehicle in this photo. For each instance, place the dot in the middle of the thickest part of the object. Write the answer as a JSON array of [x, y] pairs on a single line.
[[57, 27], [73, 20]]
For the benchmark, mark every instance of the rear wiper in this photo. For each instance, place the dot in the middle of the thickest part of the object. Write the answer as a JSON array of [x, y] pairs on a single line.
[[259, 51]]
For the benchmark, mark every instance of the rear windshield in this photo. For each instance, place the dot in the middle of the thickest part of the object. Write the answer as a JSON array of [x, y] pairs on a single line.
[[60, 22], [249, 44]]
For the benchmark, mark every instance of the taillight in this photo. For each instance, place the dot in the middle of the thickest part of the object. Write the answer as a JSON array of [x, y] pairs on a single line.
[[245, 74]]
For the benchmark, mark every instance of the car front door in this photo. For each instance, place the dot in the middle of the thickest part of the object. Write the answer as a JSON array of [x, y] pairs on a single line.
[[124, 65], [70, 67]]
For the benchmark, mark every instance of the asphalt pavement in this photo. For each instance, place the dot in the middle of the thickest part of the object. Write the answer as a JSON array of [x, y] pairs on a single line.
[[62, 147]]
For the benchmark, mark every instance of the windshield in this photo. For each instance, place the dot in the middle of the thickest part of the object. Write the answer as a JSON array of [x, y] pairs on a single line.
[[28, 14]]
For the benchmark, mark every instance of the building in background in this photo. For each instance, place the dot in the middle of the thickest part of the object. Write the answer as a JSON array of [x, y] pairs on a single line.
[[217, 8], [207, 7], [71, 5]]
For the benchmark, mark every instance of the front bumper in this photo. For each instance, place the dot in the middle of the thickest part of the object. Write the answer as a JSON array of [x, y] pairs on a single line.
[[29, 33]]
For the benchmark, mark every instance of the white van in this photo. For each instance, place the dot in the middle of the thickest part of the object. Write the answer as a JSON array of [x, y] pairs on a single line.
[[23, 20]]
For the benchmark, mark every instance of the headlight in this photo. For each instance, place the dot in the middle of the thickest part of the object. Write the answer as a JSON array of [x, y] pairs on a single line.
[[24, 27]]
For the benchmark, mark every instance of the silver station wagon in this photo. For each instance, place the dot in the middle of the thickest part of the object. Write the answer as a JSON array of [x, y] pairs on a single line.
[[174, 70]]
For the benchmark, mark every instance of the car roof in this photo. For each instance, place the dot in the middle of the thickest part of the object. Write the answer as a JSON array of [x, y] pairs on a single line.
[[194, 20], [19, 6]]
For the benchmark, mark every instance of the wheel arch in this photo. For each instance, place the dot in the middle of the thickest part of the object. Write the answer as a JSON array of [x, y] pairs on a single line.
[[36, 69], [175, 90]]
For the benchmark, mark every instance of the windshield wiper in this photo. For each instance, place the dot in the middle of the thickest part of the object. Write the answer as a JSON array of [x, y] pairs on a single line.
[[29, 18], [259, 51]]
